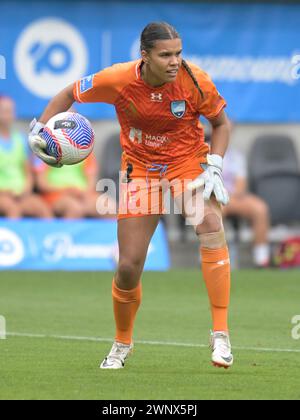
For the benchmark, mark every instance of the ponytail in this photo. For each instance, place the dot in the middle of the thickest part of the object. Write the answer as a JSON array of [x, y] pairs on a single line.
[[191, 74]]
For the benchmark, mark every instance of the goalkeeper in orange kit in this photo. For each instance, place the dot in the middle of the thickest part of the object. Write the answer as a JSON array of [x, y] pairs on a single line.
[[159, 100]]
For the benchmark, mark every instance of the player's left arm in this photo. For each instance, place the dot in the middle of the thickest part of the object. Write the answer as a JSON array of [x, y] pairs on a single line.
[[211, 105], [220, 134], [211, 178]]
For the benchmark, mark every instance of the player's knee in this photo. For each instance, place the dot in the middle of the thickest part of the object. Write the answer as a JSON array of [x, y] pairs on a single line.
[[211, 232], [129, 271], [211, 223]]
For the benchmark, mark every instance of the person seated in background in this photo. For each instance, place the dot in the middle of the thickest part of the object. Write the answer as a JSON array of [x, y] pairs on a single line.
[[246, 205], [70, 191], [16, 180]]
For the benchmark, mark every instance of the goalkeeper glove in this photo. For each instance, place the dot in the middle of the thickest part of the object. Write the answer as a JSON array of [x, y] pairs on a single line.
[[212, 180], [38, 145]]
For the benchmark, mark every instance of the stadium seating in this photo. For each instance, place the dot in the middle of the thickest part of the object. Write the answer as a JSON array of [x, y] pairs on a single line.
[[274, 175]]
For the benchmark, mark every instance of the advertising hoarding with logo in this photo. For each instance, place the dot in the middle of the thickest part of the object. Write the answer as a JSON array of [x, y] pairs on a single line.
[[249, 50], [88, 245]]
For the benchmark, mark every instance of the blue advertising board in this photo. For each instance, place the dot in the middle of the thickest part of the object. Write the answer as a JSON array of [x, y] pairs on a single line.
[[251, 51], [85, 245]]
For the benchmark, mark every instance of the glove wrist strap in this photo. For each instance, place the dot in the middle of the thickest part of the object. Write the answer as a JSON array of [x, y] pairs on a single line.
[[36, 126], [215, 160]]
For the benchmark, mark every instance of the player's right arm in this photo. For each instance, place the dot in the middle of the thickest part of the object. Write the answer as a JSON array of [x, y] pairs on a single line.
[[103, 86], [60, 103]]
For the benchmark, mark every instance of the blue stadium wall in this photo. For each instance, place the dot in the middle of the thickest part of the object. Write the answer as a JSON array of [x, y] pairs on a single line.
[[252, 51]]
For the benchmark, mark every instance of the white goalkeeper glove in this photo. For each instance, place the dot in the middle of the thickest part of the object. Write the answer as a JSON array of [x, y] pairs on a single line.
[[212, 180], [38, 144]]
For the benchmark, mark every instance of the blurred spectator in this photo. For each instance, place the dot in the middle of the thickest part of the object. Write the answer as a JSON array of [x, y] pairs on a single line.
[[71, 190], [246, 205], [16, 180]]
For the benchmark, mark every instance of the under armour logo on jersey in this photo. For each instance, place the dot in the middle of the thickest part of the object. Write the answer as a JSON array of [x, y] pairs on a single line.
[[156, 97]]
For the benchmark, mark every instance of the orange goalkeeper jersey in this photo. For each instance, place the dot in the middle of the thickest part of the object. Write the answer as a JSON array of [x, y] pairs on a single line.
[[158, 124]]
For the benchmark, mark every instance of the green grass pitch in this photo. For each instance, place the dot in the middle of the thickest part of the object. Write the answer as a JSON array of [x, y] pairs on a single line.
[[52, 320]]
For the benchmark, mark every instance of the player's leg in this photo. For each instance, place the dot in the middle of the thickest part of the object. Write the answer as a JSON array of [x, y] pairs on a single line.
[[134, 235], [256, 211], [216, 272], [215, 262], [9, 206], [35, 206]]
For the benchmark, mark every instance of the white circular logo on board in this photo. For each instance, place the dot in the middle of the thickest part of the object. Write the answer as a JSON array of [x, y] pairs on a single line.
[[11, 248], [50, 54]]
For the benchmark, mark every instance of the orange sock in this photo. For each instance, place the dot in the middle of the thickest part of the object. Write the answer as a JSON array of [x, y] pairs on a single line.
[[126, 304], [216, 273]]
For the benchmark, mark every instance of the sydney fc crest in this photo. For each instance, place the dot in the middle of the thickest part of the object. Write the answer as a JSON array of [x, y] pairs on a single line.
[[178, 108]]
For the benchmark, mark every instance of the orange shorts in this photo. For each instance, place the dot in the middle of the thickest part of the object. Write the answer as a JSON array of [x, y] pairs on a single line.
[[143, 186]]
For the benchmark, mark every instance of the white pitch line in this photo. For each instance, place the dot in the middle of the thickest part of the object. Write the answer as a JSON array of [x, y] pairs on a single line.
[[153, 343]]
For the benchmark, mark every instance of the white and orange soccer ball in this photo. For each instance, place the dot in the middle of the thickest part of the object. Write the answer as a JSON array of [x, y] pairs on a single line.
[[69, 137]]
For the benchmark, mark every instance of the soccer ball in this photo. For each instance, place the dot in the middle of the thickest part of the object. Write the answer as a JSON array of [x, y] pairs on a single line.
[[69, 137]]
